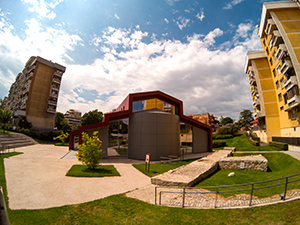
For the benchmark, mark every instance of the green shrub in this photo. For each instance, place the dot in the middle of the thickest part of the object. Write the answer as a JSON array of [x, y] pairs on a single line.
[[282, 146], [219, 144], [89, 152], [222, 136]]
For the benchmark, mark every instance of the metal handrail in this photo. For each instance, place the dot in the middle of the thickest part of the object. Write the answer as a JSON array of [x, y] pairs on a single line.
[[183, 189], [3, 212]]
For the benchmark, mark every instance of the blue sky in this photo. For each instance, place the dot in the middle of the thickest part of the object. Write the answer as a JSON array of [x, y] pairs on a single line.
[[193, 50]]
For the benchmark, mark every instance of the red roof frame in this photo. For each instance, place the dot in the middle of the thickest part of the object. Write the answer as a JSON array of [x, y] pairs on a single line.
[[125, 109]]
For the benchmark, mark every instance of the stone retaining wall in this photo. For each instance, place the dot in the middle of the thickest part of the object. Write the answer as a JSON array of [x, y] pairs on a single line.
[[254, 162]]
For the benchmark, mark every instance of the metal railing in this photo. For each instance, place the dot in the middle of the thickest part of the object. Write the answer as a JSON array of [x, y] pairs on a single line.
[[3, 213], [213, 197]]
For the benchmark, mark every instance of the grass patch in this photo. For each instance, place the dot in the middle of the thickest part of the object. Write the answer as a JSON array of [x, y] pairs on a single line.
[[122, 151], [100, 171], [119, 209], [159, 168], [61, 144], [242, 143], [279, 164]]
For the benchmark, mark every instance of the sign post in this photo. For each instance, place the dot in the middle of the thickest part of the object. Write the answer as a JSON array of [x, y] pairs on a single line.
[[147, 162]]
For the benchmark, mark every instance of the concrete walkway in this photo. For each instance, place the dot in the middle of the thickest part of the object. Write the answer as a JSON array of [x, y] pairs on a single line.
[[36, 179]]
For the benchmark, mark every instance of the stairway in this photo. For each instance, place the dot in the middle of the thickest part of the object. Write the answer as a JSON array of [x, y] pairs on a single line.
[[11, 141]]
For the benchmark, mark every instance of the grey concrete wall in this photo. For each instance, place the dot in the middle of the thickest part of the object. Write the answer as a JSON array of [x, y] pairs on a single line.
[[103, 136], [200, 140], [153, 132]]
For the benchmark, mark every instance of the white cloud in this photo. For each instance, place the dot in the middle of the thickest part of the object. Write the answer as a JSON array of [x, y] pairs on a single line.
[[171, 2], [166, 20], [116, 16], [43, 8], [229, 5], [182, 22], [200, 16], [205, 78]]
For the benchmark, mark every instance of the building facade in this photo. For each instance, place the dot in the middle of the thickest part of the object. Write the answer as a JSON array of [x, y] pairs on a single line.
[[73, 117], [34, 94], [274, 73], [154, 127]]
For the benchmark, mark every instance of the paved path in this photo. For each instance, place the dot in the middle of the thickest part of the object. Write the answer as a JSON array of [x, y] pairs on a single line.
[[36, 179]]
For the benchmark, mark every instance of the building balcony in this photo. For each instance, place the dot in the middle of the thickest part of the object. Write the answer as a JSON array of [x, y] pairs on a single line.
[[31, 68], [56, 80], [58, 73], [290, 83], [254, 90], [52, 102], [51, 109], [293, 102], [281, 50], [53, 94], [256, 102], [29, 76], [270, 26], [286, 66], [54, 87]]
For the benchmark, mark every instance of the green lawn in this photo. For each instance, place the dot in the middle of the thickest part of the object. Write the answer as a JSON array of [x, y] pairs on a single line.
[[122, 151], [279, 164], [119, 209], [159, 168], [241, 143], [100, 171]]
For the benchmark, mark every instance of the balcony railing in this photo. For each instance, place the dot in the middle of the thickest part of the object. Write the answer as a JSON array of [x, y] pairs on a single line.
[[254, 90], [51, 110], [290, 83], [270, 26], [293, 102], [280, 51], [52, 102], [56, 80], [286, 66]]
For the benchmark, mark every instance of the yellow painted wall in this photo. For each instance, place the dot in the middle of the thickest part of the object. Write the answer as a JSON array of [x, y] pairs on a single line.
[[154, 104]]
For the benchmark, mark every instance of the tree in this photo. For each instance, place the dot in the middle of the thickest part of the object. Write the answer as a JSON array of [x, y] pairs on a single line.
[[91, 117], [23, 123], [63, 137], [5, 115], [245, 118], [61, 123], [226, 120], [90, 152]]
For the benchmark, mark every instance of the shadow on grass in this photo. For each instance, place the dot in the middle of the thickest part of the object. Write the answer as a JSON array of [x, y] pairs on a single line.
[[99, 171]]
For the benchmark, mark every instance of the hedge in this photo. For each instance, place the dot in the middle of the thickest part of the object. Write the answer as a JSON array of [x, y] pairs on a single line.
[[222, 136], [219, 144], [282, 146]]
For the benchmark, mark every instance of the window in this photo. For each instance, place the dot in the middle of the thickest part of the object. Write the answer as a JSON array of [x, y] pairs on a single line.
[[271, 61], [267, 50], [285, 97], [277, 84], [293, 115], [282, 82], [280, 97], [281, 108], [274, 72], [264, 42], [293, 91]]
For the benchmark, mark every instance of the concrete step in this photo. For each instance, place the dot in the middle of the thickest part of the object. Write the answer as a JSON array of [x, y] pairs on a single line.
[[15, 140]]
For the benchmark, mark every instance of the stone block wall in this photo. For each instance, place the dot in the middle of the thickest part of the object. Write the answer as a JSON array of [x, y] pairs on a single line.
[[253, 162]]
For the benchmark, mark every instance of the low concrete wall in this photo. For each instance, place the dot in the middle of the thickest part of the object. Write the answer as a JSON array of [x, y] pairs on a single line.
[[255, 162], [294, 148]]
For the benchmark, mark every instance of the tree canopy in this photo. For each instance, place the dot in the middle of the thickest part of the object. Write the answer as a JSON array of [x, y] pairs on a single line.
[[245, 118], [91, 117], [61, 123], [5, 115], [226, 120]]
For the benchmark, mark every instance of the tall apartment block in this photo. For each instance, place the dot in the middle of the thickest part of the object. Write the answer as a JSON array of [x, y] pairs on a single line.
[[274, 74], [73, 117], [34, 94]]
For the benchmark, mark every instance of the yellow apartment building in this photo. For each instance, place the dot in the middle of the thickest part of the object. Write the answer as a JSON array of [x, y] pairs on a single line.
[[274, 74], [34, 94]]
